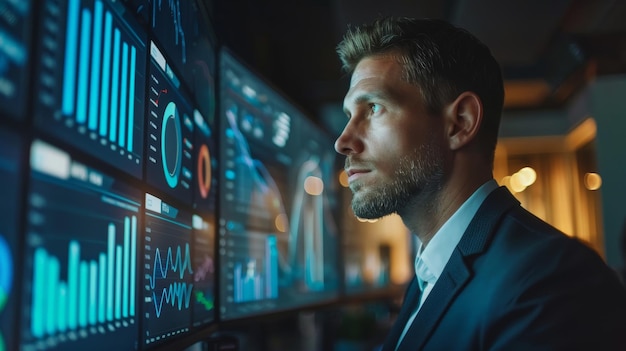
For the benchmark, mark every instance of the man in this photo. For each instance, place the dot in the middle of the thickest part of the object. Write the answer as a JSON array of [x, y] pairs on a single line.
[[424, 107]]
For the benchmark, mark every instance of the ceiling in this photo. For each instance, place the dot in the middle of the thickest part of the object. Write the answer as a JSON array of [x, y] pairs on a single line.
[[548, 50]]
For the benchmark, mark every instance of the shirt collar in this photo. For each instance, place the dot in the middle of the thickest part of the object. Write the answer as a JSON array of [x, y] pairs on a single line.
[[430, 261]]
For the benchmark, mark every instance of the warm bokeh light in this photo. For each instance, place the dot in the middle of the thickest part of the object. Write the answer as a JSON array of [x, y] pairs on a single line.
[[516, 183], [593, 181], [343, 179], [371, 267], [527, 176], [281, 222], [313, 185], [520, 179], [506, 181]]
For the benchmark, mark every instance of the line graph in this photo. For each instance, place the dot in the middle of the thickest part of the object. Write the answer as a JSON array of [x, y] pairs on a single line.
[[177, 293], [178, 264], [168, 271]]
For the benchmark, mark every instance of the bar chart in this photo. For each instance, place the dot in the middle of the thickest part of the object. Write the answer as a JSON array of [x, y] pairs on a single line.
[[97, 97], [257, 279], [96, 290], [81, 269]]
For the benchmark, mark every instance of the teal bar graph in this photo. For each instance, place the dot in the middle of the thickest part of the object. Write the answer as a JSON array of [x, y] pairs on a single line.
[[93, 286], [57, 318], [133, 259], [251, 283], [118, 282], [102, 303], [126, 270], [271, 263], [83, 293], [62, 309], [110, 271], [97, 290], [99, 86], [94, 90], [72, 281]]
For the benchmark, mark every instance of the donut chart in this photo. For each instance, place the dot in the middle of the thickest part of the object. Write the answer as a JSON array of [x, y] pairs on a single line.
[[171, 145], [204, 171]]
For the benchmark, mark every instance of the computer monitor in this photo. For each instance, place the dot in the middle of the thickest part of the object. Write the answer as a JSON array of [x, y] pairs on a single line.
[[277, 235], [109, 187], [80, 265], [90, 80]]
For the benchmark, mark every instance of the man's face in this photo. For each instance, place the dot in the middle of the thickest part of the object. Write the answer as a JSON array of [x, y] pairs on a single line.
[[394, 149]]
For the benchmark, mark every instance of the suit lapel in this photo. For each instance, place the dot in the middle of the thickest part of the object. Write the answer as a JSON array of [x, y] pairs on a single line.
[[408, 306], [448, 285], [457, 272]]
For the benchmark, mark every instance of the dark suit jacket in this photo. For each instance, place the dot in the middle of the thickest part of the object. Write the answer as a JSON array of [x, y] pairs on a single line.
[[516, 283]]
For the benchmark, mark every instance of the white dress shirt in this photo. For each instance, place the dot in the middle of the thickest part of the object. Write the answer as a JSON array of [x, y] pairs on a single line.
[[430, 261]]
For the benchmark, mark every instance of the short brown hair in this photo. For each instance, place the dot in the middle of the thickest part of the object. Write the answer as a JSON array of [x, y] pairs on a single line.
[[439, 58]]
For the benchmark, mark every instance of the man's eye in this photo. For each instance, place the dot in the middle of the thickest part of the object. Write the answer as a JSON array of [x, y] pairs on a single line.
[[375, 108]]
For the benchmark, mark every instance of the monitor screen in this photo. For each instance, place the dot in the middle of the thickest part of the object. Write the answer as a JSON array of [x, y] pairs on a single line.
[[80, 268], [183, 29], [10, 156], [168, 271], [276, 229], [203, 67], [203, 258], [204, 221], [169, 131], [91, 75], [14, 55], [109, 187]]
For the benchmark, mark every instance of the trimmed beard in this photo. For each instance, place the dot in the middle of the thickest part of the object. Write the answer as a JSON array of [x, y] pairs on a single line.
[[418, 174]]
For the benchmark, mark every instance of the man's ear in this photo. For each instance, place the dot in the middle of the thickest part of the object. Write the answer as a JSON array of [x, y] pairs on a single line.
[[463, 118]]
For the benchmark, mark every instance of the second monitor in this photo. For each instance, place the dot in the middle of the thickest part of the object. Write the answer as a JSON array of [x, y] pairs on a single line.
[[277, 234]]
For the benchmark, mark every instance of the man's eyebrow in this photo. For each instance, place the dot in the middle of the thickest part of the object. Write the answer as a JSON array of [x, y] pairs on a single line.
[[365, 97], [369, 96], [358, 100]]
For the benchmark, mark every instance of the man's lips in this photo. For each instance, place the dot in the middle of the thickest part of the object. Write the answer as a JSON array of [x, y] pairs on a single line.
[[355, 173]]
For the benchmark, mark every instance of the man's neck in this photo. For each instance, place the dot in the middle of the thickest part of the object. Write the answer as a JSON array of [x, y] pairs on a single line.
[[425, 216]]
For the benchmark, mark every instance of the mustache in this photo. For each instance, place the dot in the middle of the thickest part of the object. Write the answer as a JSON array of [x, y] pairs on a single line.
[[356, 162]]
